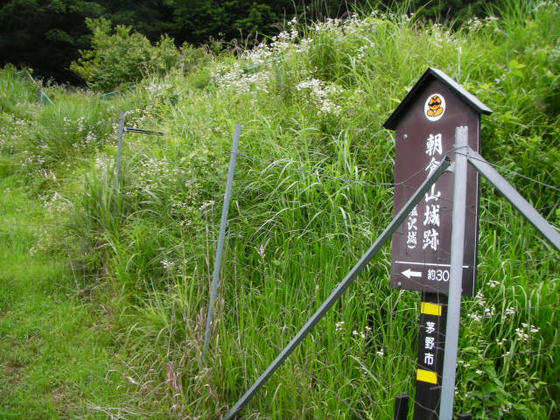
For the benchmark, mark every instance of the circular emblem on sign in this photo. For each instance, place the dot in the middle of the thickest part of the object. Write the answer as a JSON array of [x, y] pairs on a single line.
[[434, 108]]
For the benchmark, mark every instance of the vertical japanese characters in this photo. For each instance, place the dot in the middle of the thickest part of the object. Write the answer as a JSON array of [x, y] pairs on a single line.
[[430, 220], [429, 343]]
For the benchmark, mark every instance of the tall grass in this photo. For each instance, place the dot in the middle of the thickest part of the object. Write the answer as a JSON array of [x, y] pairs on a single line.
[[311, 117]]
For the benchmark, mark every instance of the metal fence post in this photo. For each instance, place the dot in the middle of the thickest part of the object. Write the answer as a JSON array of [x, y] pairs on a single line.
[[401, 407], [456, 274], [219, 250], [119, 149]]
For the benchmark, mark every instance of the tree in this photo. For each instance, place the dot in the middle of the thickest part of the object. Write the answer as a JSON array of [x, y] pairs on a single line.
[[119, 56], [45, 35]]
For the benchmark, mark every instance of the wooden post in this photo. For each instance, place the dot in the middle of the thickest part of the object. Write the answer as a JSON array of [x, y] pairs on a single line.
[[431, 339]]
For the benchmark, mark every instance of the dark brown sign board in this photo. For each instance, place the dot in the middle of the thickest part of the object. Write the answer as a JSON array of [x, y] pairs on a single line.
[[425, 123]]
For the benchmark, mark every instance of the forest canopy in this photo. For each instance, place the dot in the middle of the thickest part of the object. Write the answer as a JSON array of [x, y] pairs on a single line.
[[47, 35]]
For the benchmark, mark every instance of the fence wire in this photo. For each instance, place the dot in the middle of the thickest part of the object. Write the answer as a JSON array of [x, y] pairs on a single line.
[[396, 352], [504, 168], [301, 169], [390, 313]]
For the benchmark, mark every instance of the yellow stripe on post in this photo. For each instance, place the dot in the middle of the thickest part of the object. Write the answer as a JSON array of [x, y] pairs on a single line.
[[431, 308], [426, 376]]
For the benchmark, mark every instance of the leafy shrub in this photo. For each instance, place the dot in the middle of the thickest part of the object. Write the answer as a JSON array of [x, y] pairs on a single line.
[[163, 56], [192, 57], [121, 56]]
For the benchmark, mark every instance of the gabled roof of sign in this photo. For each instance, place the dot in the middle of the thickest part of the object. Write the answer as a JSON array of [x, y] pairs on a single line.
[[466, 96]]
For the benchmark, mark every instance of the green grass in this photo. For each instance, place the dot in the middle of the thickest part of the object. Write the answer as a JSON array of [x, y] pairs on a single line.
[[57, 355], [293, 234]]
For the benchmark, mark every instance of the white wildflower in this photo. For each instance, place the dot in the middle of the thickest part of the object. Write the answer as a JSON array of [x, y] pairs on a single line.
[[530, 327], [521, 335], [261, 251], [474, 316], [501, 342], [510, 311], [321, 94], [168, 265]]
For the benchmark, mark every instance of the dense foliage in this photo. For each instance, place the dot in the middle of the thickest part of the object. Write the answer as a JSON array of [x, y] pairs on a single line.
[[122, 57], [311, 194], [46, 35]]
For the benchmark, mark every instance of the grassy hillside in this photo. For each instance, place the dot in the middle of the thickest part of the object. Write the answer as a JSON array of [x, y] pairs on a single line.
[[310, 196]]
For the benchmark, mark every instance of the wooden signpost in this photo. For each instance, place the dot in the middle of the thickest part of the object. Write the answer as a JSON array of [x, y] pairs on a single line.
[[425, 123]]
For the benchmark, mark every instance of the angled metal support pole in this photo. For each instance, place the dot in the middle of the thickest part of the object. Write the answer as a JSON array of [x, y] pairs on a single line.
[[341, 288], [455, 274], [501, 184], [221, 239], [44, 98], [140, 131]]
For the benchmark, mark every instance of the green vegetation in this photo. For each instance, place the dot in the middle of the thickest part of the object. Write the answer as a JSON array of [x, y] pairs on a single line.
[[48, 34], [121, 57], [312, 103], [57, 356]]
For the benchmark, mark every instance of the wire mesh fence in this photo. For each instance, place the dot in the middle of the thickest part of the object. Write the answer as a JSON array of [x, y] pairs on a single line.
[[348, 389], [283, 259]]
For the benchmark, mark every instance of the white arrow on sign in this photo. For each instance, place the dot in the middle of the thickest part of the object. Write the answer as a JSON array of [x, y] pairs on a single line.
[[408, 273]]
